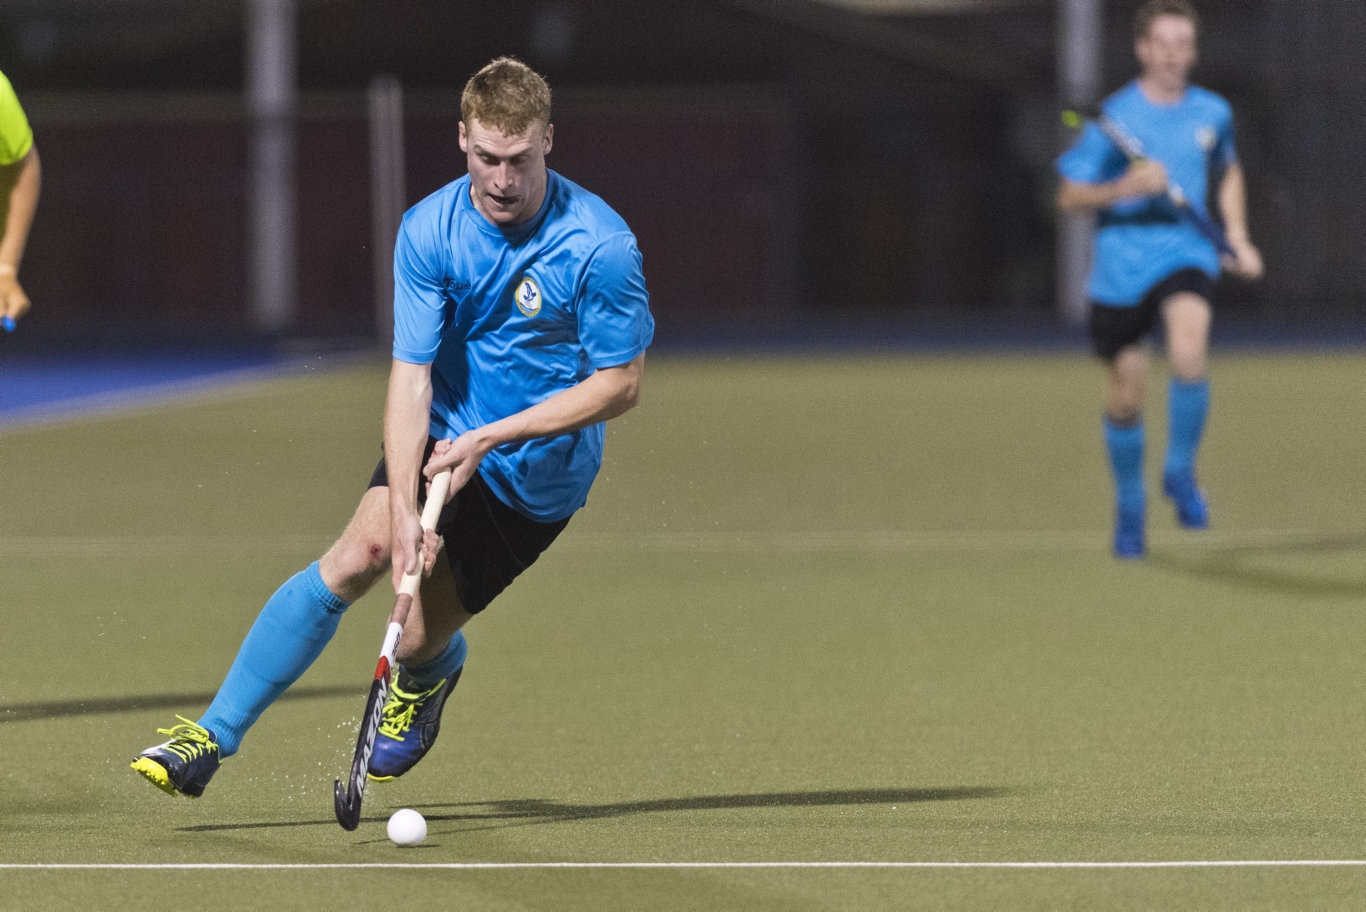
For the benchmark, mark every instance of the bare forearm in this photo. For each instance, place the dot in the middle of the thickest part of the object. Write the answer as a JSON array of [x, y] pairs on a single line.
[[22, 203], [407, 419], [604, 395], [1143, 177], [1233, 203], [1078, 197], [1246, 261]]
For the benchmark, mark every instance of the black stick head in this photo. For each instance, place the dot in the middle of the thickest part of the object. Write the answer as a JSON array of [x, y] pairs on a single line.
[[347, 805]]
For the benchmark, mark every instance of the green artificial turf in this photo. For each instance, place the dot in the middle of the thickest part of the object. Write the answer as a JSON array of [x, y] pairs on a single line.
[[820, 611]]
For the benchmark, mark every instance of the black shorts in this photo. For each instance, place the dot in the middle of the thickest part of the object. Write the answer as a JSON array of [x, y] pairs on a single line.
[[487, 542], [1114, 328]]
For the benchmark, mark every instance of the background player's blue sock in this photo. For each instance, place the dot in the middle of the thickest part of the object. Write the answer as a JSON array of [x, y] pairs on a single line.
[[1187, 407], [419, 678], [1124, 445], [291, 631]]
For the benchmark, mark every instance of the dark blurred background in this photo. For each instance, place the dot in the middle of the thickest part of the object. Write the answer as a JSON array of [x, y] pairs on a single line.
[[787, 165]]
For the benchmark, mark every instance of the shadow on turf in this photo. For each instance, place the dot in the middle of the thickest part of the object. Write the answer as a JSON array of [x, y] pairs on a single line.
[[548, 811], [1236, 564], [30, 712], [522, 812]]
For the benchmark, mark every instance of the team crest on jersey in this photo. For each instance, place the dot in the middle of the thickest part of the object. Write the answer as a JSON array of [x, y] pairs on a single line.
[[1206, 138], [528, 296]]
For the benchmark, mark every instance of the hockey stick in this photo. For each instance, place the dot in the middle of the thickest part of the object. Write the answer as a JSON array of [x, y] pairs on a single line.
[[347, 799], [1133, 150]]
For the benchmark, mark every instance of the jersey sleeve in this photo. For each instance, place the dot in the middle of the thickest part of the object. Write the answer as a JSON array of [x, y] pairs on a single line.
[[16, 137], [1092, 158], [419, 291], [615, 324]]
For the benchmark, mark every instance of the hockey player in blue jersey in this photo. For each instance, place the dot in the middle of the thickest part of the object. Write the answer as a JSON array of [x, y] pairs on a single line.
[[1153, 266], [521, 322]]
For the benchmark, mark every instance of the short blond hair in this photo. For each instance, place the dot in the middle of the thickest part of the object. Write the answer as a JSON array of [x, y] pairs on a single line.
[[507, 95]]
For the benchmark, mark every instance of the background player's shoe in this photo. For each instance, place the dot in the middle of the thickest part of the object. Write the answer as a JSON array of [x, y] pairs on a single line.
[[1192, 510], [408, 728], [1129, 529], [183, 765]]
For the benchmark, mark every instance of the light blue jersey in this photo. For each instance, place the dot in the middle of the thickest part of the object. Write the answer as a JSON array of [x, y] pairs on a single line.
[[1141, 241], [507, 318]]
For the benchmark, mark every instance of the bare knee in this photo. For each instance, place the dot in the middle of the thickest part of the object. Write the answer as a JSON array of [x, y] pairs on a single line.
[[1126, 385], [361, 556], [354, 564], [1188, 323], [1189, 366]]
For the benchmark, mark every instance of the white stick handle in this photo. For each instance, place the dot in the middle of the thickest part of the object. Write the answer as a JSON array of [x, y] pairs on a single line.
[[391, 640], [436, 500]]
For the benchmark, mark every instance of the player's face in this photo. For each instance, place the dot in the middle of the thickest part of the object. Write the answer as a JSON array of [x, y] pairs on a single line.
[[1167, 53], [507, 173]]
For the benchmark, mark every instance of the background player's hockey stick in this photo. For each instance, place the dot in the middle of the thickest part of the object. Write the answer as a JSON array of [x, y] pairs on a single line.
[[347, 799], [1133, 150]]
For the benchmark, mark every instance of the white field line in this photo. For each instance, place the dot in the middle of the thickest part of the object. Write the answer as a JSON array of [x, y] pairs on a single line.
[[695, 542], [718, 865]]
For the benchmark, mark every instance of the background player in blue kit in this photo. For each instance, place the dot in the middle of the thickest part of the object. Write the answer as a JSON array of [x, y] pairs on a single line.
[[1150, 264], [521, 322]]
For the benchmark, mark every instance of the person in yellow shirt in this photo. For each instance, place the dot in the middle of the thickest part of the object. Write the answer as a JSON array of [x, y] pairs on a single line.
[[21, 177]]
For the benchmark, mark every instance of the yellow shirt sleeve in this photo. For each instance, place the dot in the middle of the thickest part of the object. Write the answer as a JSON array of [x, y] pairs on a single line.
[[16, 136]]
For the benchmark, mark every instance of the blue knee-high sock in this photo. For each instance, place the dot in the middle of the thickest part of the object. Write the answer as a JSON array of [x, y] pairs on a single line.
[[419, 678], [291, 631], [1187, 408], [1124, 445]]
